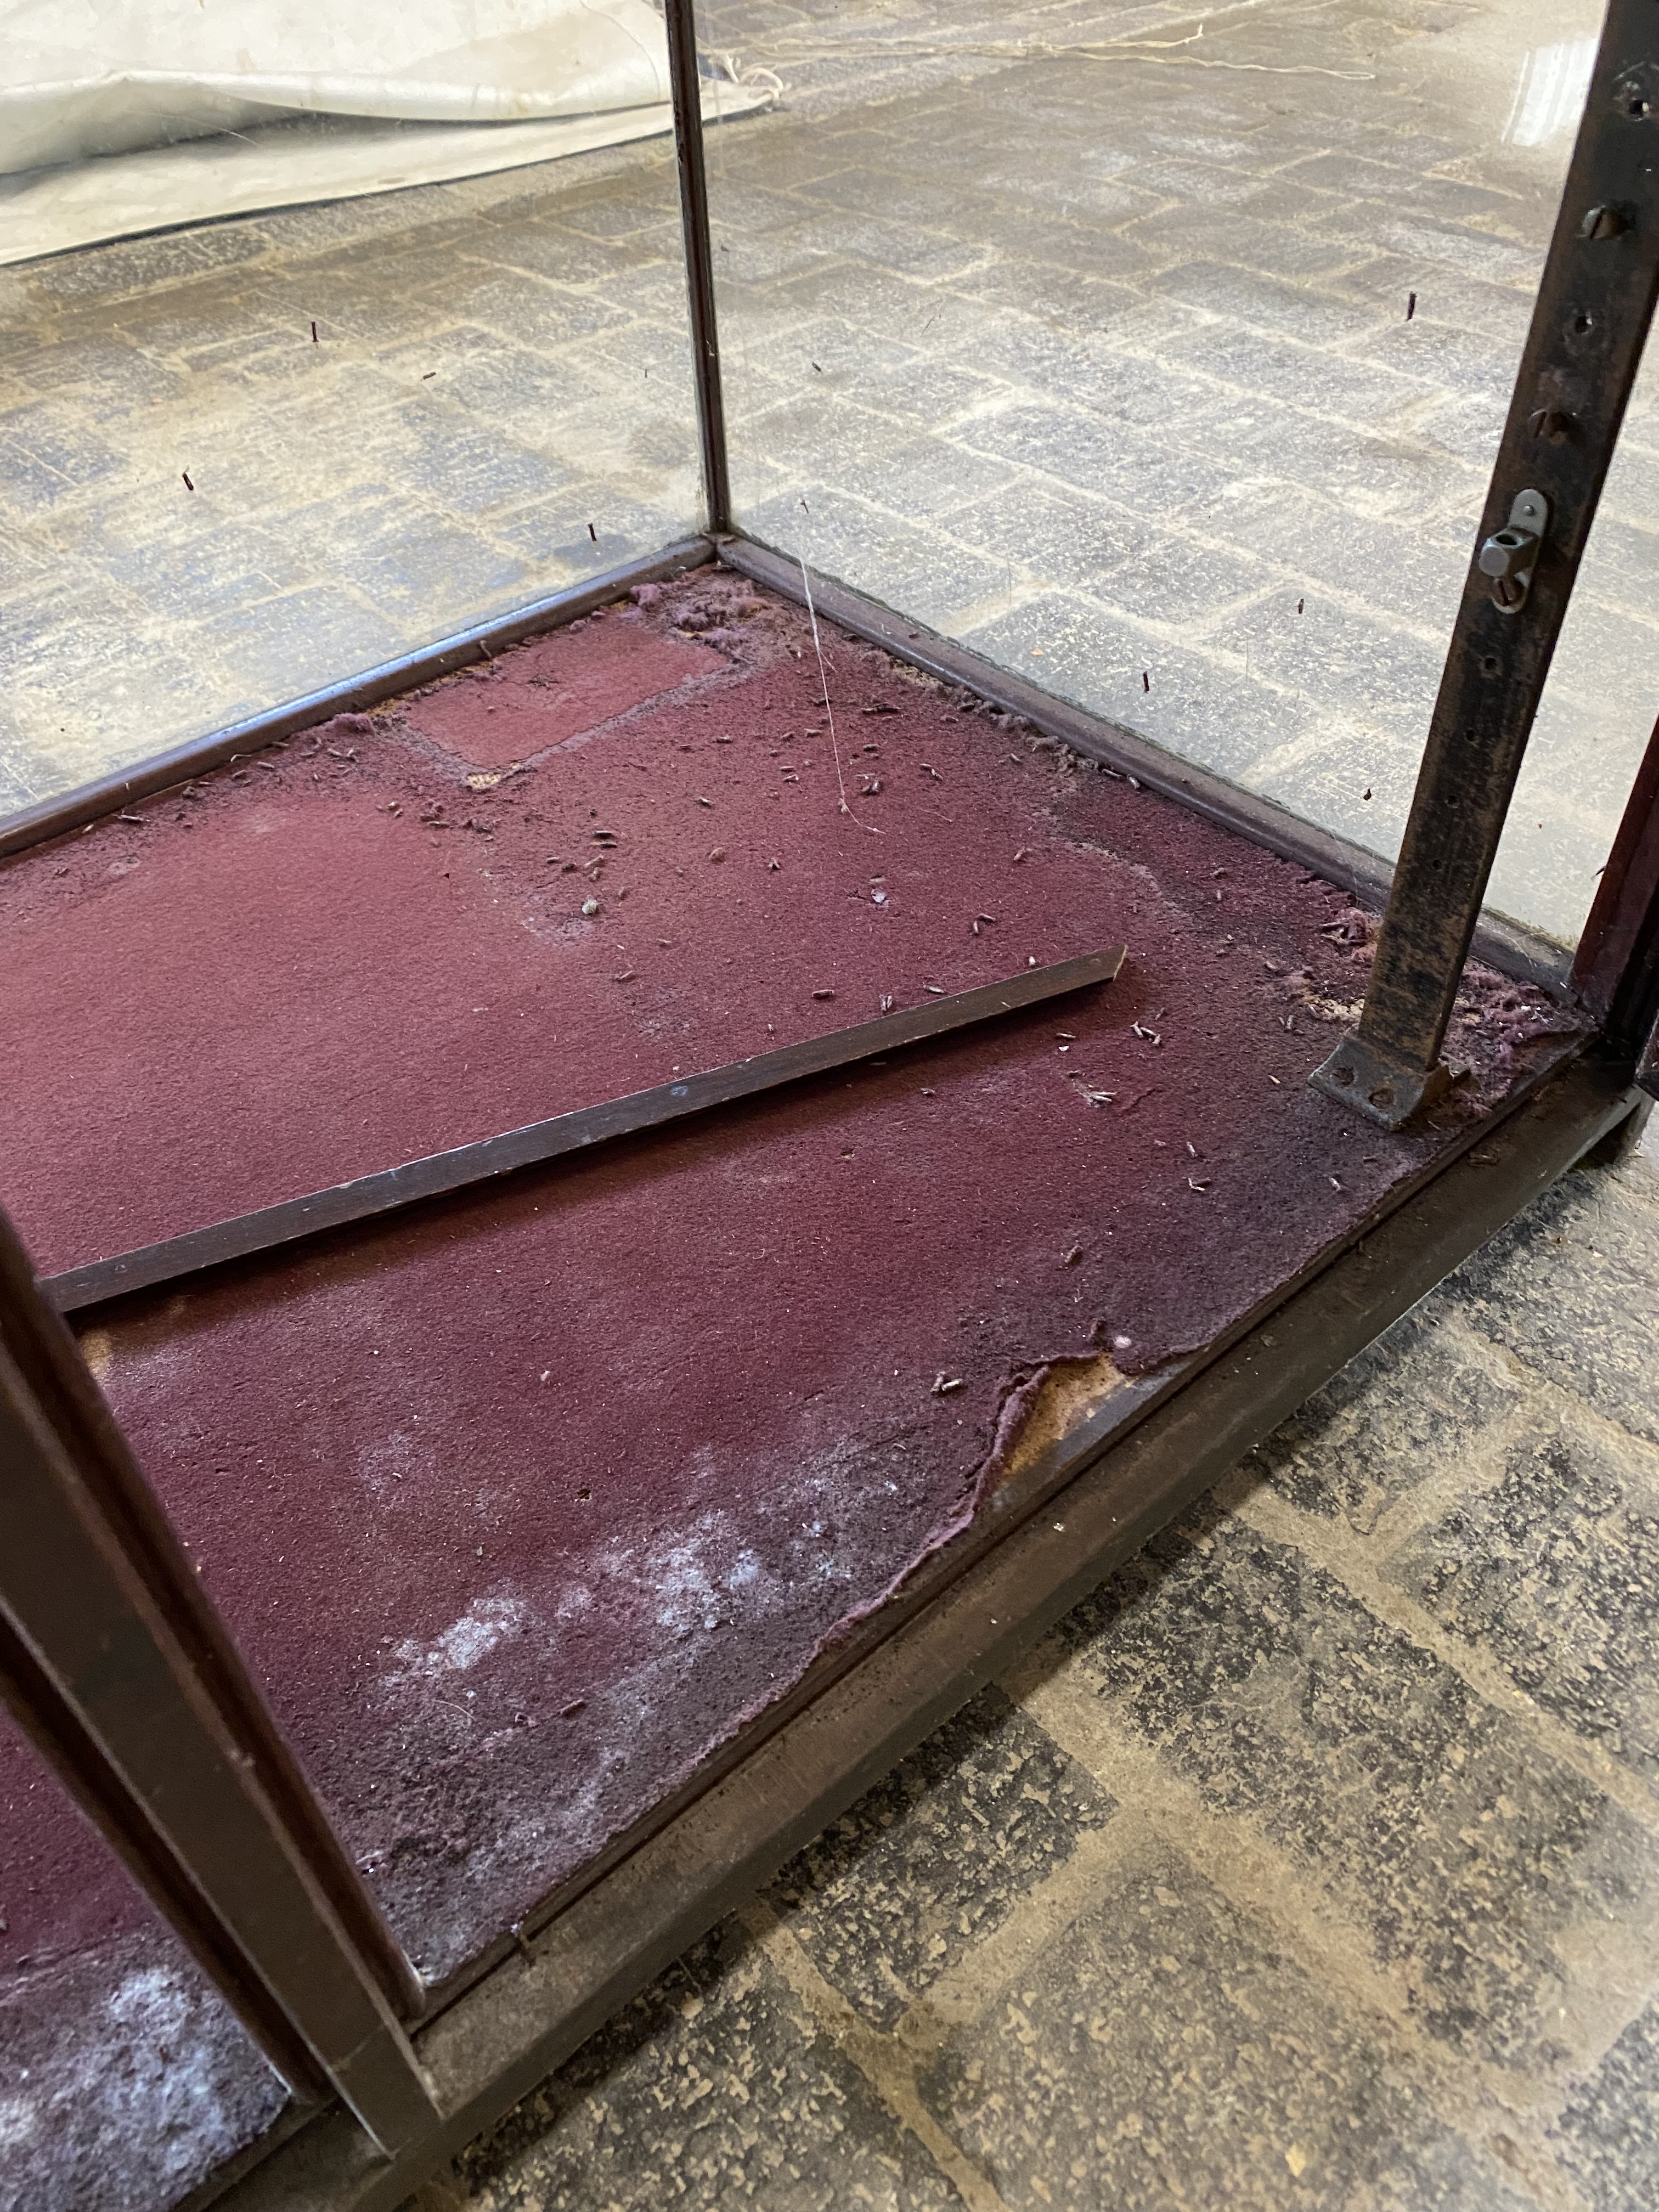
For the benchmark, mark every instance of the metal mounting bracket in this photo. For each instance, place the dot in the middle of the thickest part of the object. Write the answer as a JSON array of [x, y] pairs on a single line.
[[1509, 556]]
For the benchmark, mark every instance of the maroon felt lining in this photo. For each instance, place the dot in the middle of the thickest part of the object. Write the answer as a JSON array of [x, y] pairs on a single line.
[[518, 1506]]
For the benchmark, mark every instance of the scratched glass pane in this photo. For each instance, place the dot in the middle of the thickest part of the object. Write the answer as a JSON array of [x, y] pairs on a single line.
[[1602, 699], [314, 355], [124, 2079], [1162, 356]]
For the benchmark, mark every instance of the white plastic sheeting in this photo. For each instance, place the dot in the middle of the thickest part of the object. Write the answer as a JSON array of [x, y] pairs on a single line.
[[121, 116]]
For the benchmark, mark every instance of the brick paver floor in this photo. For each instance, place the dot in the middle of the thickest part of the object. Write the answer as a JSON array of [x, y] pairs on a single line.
[[1105, 367], [1101, 363]]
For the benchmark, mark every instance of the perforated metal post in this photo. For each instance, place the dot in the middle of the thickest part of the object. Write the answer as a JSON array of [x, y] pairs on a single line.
[[686, 81], [1594, 306], [111, 1659]]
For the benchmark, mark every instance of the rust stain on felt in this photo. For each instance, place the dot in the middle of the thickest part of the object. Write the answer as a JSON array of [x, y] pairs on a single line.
[[1035, 1417], [1040, 1415]]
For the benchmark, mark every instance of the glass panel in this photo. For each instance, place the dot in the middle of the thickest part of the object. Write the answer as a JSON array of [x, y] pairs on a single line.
[[250, 456], [1601, 700], [1162, 364], [125, 2078]]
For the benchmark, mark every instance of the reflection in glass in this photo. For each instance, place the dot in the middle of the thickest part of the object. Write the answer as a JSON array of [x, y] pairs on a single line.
[[1167, 365], [292, 421]]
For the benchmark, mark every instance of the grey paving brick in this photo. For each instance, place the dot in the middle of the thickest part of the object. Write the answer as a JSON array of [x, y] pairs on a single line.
[[1190, 233], [261, 362], [1572, 1286], [1165, 2052], [1468, 428], [1608, 2130], [1052, 536], [746, 209], [553, 537], [533, 312], [86, 683], [889, 306], [1184, 582], [1042, 359], [932, 478], [1468, 254], [134, 264], [864, 184], [1202, 184], [1416, 1404], [1379, 474], [1414, 576], [1084, 651], [1068, 300], [1498, 313], [606, 212], [1128, 467], [1405, 182], [1435, 1826], [1551, 1572], [845, 535], [797, 347], [523, 390], [462, 468], [1441, 353], [762, 257], [303, 641], [1355, 775], [1305, 377], [291, 231], [568, 256], [935, 1858], [800, 434], [911, 248], [1267, 303], [1126, 390], [930, 391], [1633, 492], [706, 2092], [1615, 563], [1340, 656], [434, 575], [228, 563], [1592, 729], [97, 369], [48, 456]]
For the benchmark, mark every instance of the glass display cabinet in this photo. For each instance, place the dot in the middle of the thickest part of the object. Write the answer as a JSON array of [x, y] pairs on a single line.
[[760, 875]]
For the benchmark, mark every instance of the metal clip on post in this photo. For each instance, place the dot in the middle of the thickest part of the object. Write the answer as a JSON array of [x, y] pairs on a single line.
[[1509, 556], [1594, 304]]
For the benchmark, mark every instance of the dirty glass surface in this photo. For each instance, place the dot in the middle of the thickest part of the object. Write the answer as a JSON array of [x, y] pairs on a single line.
[[248, 455], [125, 2078], [1161, 355]]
